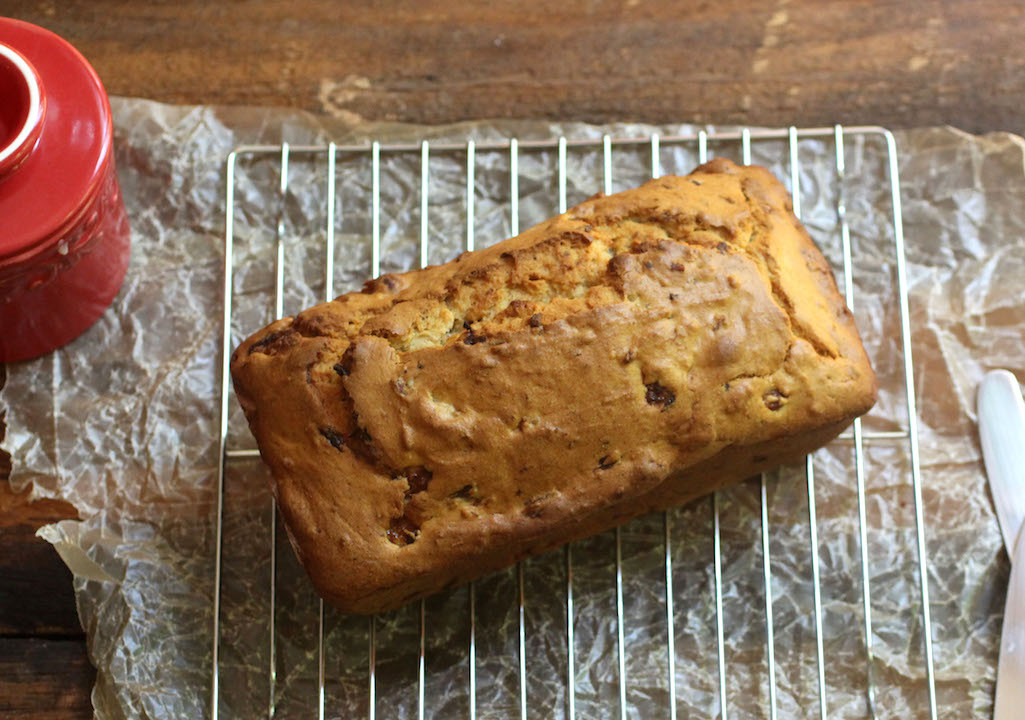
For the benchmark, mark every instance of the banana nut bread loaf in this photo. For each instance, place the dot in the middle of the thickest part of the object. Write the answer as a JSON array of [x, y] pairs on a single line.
[[629, 355]]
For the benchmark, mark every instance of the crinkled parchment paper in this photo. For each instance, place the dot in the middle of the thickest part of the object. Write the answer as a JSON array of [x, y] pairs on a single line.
[[123, 423]]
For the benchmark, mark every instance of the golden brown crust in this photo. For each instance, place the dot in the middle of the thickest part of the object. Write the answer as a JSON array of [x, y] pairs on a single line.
[[631, 354]]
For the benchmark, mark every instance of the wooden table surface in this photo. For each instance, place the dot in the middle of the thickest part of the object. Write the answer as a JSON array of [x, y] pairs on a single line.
[[801, 62]]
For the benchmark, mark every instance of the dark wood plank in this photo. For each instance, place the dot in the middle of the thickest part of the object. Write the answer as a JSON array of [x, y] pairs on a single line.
[[44, 679], [36, 597], [806, 62]]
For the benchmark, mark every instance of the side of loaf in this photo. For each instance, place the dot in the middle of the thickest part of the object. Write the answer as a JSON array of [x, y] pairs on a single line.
[[634, 353]]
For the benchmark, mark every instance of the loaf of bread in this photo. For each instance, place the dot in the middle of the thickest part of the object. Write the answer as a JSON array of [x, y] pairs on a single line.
[[632, 354]]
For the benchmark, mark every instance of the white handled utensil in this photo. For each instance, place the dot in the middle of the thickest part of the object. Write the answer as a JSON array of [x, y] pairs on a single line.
[[1002, 431], [1010, 696]]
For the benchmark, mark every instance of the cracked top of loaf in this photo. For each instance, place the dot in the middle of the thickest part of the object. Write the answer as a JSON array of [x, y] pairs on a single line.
[[448, 421]]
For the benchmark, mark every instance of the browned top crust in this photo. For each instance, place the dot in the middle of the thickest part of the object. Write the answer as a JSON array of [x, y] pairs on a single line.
[[445, 422]]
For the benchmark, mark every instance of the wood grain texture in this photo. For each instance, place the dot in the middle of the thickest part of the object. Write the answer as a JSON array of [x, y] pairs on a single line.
[[44, 679], [804, 62], [36, 597]]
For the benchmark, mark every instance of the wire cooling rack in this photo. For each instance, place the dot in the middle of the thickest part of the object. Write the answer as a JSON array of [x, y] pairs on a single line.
[[379, 155]]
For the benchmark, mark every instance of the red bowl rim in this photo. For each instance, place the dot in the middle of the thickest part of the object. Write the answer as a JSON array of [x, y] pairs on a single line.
[[24, 137]]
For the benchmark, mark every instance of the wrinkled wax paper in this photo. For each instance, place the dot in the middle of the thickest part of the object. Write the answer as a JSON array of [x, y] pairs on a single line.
[[123, 423]]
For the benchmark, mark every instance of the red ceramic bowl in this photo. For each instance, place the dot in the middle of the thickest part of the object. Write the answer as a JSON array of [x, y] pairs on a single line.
[[64, 237]]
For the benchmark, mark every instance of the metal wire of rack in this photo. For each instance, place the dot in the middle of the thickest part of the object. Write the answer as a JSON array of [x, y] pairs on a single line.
[[857, 436]]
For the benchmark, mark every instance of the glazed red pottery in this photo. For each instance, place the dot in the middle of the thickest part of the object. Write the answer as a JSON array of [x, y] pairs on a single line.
[[64, 237]]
